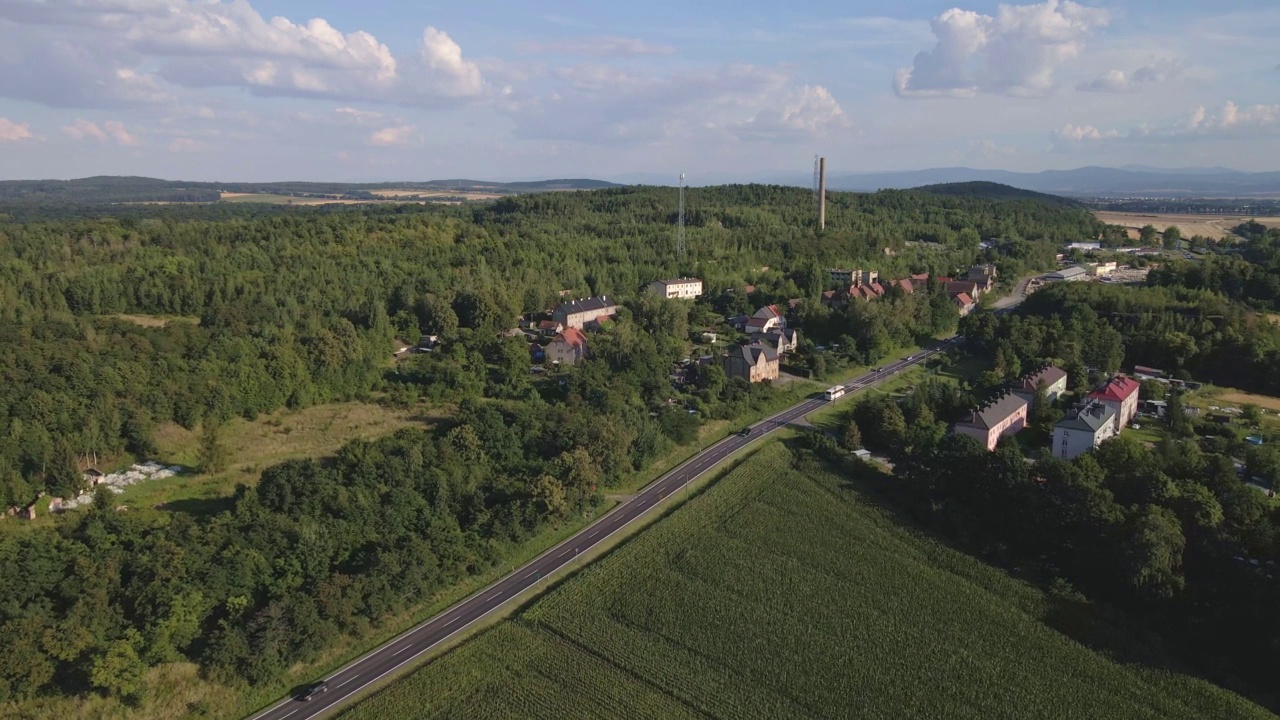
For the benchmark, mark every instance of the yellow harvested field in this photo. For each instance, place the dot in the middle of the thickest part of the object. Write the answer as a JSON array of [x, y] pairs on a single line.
[[435, 194], [1240, 397], [1215, 226]]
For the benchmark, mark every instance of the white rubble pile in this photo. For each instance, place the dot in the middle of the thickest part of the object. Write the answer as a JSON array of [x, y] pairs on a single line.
[[117, 482]]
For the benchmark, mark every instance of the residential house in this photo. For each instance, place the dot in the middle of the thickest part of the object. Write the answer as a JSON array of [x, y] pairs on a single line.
[[968, 287], [963, 303], [1053, 379], [1068, 274], [984, 275], [550, 328], [840, 276], [683, 288], [1083, 430], [765, 319], [568, 347], [833, 299], [783, 340], [585, 312], [1121, 395], [753, 363], [1100, 269], [536, 352], [1006, 415], [919, 280], [904, 284], [870, 277]]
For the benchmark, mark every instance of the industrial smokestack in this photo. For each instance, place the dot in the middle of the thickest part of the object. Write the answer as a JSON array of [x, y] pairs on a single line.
[[822, 193]]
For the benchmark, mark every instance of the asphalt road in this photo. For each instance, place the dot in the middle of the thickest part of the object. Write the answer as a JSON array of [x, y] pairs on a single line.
[[367, 670]]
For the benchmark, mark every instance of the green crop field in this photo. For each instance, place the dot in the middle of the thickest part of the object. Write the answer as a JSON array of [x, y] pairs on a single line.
[[782, 592]]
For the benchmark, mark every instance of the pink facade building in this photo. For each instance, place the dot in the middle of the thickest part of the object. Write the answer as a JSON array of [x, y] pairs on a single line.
[[1005, 415]]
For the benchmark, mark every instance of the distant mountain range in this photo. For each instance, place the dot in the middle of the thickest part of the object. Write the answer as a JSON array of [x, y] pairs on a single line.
[[1129, 181], [1126, 181], [117, 189]]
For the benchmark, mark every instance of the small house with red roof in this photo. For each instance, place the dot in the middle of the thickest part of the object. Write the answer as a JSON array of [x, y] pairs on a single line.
[[963, 303], [1121, 395], [765, 319], [568, 347], [967, 287]]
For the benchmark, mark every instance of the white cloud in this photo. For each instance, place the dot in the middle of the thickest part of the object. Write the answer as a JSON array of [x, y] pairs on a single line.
[[398, 135], [11, 131], [1081, 133], [1116, 80], [1231, 121], [185, 145], [807, 112], [603, 104], [597, 46], [449, 74], [92, 53], [358, 116], [84, 130], [109, 131], [118, 133], [1015, 52]]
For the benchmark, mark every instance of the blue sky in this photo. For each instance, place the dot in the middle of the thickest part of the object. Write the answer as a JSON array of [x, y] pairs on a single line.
[[382, 90]]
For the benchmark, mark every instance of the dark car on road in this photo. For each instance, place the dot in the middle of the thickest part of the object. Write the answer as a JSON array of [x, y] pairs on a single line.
[[744, 432], [314, 690]]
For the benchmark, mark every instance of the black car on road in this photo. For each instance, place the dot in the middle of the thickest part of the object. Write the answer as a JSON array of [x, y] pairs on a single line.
[[314, 690]]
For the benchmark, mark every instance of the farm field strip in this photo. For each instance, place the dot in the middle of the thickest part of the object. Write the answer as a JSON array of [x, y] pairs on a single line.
[[782, 593], [1189, 224]]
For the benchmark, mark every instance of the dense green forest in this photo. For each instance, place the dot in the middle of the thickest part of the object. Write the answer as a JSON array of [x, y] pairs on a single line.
[[1193, 334], [300, 307], [1178, 549], [275, 308], [1168, 536], [1248, 272]]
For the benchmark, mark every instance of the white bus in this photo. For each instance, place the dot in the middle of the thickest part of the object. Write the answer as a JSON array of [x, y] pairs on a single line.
[[833, 392]]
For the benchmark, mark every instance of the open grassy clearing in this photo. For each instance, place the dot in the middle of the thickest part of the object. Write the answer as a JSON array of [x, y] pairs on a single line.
[[257, 444], [154, 321], [1207, 225], [1240, 398], [787, 593]]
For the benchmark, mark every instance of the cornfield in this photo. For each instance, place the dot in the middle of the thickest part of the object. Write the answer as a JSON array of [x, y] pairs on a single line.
[[778, 593]]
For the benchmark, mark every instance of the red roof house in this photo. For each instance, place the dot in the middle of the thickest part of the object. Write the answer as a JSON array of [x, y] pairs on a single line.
[[1121, 394], [568, 347]]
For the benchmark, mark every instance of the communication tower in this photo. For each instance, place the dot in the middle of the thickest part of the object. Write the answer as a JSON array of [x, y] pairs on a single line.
[[681, 248]]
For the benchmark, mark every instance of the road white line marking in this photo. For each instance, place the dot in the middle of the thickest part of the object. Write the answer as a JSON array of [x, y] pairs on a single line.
[[290, 713], [344, 682], [526, 577], [406, 647], [451, 622]]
